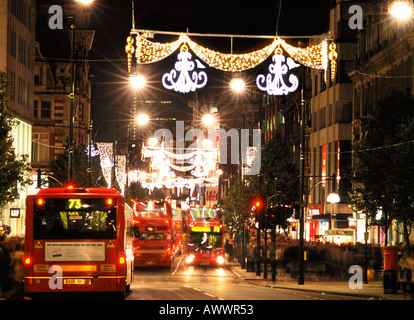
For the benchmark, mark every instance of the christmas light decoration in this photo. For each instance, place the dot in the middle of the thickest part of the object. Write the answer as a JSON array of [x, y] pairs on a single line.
[[315, 56], [333, 55], [187, 79], [231, 62], [120, 173], [93, 152], [274, 83], [106, 156]]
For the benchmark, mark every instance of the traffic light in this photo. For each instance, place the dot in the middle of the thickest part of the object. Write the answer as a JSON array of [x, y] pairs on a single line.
[[277, 216], [257, 205], [272, 217], [293, 225]]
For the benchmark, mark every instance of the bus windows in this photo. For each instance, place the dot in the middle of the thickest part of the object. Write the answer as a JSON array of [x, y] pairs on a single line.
[[152, 236], [203, 213], [83, 218]]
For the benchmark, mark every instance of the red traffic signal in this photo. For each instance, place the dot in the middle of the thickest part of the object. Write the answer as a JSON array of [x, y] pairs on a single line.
[[257, 204]]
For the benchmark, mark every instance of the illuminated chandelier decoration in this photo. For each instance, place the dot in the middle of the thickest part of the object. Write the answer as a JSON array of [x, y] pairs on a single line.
[[187, 80], [315, 56], [274, 83]]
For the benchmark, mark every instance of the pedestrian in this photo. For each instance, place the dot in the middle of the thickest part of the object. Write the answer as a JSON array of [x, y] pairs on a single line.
[[406, 266], [229, 250]]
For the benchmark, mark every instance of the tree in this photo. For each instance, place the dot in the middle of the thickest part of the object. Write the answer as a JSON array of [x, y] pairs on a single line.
[[384, 170], [236, 207], [59, 168], [279, 172], [14, 169]]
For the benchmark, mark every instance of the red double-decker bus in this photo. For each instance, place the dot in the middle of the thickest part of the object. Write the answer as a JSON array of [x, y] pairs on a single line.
[[154, 237], [78, 240], [205, 237]]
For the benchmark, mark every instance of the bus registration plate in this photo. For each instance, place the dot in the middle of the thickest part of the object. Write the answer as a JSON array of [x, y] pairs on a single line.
[[74, 281]]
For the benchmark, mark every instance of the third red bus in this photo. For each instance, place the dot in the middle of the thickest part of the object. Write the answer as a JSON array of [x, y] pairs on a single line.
[[205, 237]]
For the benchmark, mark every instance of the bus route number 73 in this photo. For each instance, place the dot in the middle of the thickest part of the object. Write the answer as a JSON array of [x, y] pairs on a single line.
[[74, 203]]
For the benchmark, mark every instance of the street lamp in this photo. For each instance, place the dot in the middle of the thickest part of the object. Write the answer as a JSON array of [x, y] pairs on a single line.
[[333, 198], [401, 9], [208, 119], [152, 142], [72, 94], [137, 81], [142, 119], [237, 84]]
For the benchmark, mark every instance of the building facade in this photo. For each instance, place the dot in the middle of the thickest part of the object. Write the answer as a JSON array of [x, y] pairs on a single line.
[[384, 59], [52, 83], [17, 37]]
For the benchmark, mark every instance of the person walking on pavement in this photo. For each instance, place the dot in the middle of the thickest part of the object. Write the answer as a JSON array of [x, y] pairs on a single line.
[[406, 265]]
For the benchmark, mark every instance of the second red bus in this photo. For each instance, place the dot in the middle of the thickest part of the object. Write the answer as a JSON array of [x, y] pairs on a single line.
[[154, 237]]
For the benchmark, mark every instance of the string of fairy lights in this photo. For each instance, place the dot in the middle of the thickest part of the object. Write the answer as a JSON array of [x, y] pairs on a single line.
[[316, 56]]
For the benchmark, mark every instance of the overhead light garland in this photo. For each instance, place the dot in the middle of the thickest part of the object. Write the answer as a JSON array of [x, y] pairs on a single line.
[[315, 56]]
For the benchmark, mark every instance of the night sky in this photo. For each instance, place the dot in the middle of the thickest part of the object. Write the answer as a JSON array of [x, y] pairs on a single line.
[[112, 22]]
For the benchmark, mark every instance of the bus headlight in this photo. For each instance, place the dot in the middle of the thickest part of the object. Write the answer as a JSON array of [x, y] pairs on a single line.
[[220, 260], [190, 258]]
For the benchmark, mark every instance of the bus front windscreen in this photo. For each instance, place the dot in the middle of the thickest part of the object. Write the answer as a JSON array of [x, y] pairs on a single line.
[[80, 218], [203, 213], [205, 241]]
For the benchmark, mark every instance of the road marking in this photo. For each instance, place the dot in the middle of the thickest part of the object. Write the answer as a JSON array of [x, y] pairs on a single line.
[[176, 268]]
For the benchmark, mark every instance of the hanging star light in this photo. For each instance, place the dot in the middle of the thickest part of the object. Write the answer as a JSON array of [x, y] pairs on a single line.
[[274, 83], [187, 79]]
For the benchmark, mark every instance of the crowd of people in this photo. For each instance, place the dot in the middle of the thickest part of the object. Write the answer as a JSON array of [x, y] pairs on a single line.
[[11, 265]]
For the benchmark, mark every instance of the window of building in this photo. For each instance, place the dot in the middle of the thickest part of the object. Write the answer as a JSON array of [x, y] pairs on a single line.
[[40, 149], [46, 109], [35, 108], [322, 118]]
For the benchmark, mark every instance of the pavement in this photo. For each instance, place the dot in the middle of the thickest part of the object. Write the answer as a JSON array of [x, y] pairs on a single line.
[[373, 290]]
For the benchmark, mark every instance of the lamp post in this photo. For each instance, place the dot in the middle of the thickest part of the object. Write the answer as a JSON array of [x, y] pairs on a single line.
[[72, 94], [301, 278], [71, 97]]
